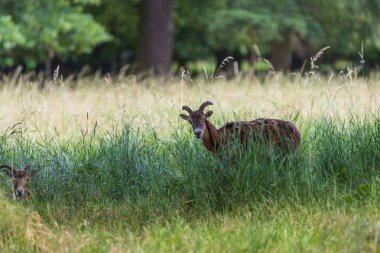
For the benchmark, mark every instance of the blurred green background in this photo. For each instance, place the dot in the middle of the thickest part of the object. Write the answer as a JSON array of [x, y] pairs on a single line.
[[161, 36]]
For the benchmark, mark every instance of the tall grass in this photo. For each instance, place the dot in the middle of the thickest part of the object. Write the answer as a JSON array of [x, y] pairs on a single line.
[[141, 174], [177, 173]]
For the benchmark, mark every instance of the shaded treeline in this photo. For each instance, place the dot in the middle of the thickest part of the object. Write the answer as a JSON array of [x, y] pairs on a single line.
[[159, 36]]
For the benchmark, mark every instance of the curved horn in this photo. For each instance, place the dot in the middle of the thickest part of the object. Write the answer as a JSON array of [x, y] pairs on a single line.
[[186, 108], [204, 104], [7, 168]]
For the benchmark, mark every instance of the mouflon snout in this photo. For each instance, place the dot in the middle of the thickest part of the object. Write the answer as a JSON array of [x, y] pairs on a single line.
[[198, 133]]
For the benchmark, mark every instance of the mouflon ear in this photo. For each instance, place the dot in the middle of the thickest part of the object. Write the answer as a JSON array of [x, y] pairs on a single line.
[[32, 173], [184, 116], [208, 114], [27, 167], [7, 170]]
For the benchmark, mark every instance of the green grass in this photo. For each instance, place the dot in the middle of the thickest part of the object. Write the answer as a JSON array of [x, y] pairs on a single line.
[[143, 189]]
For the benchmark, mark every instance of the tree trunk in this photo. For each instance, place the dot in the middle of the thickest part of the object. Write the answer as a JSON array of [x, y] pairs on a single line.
[[48, 63], [281, 55], [48, 69], [252, 62], [154, 50]]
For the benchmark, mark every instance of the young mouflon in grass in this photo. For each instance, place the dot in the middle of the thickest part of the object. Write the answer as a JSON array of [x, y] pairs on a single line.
[[20, 180], [280, 133]]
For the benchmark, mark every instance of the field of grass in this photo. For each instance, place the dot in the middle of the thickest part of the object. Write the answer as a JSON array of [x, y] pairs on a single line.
[[119, 171]]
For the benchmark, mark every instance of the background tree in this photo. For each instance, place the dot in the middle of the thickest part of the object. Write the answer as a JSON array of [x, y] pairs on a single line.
[[122, 24], [191, 33], [349, 25], [285, 31], [154, 51], [37, 31], [277, 27]]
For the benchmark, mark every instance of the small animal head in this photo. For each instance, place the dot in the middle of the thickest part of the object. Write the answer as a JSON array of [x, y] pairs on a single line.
[[20, 179], [197, 119]]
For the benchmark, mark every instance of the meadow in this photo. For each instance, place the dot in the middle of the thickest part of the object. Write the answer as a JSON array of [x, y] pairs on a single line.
[[120, 171]]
